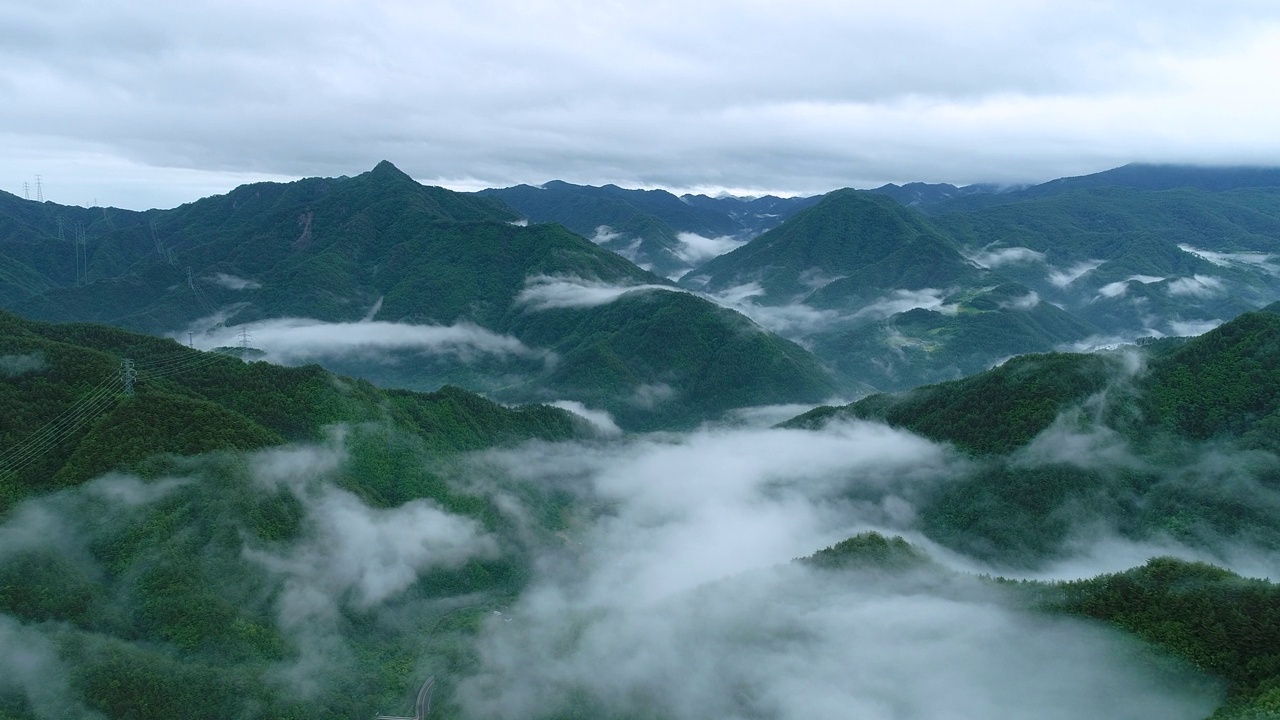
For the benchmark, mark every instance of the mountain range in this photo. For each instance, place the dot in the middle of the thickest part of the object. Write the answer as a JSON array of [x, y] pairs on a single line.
[[392, 506], [439, 286]]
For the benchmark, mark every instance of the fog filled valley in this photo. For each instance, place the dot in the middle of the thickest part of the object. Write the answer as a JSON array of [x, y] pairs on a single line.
[[354, 446]]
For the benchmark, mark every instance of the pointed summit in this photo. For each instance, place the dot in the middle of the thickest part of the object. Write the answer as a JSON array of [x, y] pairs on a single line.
[[386, 169], [388, 185]]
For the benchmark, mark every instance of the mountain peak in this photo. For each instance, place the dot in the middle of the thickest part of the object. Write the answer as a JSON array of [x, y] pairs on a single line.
[[386, 170]]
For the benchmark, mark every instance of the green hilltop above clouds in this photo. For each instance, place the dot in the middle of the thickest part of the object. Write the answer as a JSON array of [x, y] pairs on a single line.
[[1174, 439]]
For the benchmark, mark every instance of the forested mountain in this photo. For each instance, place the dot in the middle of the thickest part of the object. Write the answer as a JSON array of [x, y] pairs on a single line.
[[1178, 439], [884, 295], [894, 298], [653, 228], [333, 575], [68, 416], [524, 313], [188, 532], [1194, 614], [197, 546], [846, 231]]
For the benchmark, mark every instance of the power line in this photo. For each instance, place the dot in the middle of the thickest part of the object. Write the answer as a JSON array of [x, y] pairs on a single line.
[[70, 421]]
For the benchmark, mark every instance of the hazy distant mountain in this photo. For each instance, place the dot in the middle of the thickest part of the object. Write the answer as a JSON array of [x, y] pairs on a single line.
[[525, 313], [893, 298], [1135, 176], [883, 294], [653, 228], [1134, 262], [755, 214], [923, 194]]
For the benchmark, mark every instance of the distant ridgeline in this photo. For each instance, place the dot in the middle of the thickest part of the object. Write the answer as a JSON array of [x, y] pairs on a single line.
[[523, 314], [953, 280], [67, 416], [1176, 439], [872, 290]]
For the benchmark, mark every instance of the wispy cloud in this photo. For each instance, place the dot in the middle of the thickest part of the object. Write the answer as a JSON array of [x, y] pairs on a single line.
[[295, 340], [1201, 286], [1225, 259], [549, 292], [696, 249], [1063, 278], [1192, 328], [604, 234], [15, 365], [231, 282], [900, 301], [1121, 287], [680, 601], [1006, 256], [1026, 302], [601, 420]]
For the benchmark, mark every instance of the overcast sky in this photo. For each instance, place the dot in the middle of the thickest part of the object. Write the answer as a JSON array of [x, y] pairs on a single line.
[[140, 104]]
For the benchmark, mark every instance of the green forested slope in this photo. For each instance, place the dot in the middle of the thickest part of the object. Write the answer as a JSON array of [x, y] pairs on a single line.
[[66, 418], [1223, 624], [1181, 447]]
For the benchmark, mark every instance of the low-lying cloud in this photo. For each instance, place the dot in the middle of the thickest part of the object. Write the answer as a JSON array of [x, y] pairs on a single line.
[[1192, 328], [550, 292], [22, 364], [299, 340], [601, 420], [1200, 286], [696, 249], [231, 282], [1226, 259], [352, 550], [1121, 287], [795, 320], [1063, 278], [1007, 256], [679, 601], [1026, 302], [900, 301]]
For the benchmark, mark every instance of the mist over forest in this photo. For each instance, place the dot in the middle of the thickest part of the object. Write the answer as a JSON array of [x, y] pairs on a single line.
[[357, 446]]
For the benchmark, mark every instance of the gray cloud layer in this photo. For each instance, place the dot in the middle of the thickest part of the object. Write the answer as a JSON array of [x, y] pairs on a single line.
[[144, 103], [679, 599]]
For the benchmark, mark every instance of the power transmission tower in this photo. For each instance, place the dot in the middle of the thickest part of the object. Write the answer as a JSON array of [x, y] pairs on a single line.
[[244, 342], [129, 375], [82, 254], [39, 190], [161, 250], [61, 237], [26, 190]]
